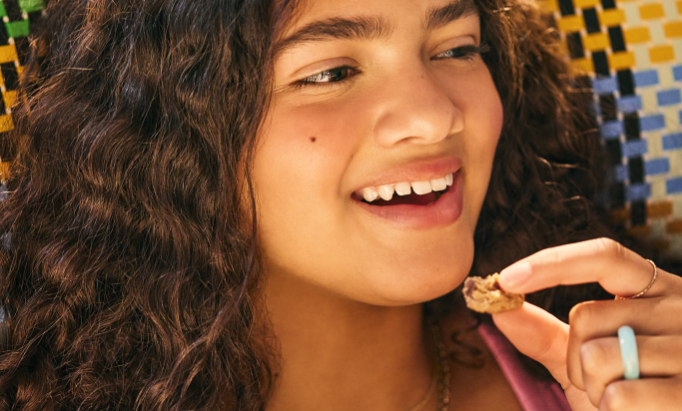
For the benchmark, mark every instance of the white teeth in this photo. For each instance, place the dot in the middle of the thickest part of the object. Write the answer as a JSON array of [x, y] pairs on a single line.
[[403, 189], [439, 184], [449, 179], [369, 194], [421, 187], [386, 192]]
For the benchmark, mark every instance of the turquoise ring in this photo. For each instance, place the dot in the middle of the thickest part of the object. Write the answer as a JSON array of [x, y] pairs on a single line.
[[628, 352]]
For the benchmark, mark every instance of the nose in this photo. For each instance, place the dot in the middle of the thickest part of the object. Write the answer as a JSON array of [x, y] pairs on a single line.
[[414, 106]]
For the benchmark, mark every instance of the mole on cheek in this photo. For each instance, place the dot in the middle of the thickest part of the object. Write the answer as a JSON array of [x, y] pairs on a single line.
[[313, 139]]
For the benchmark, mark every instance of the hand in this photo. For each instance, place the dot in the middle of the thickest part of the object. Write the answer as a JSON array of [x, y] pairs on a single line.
[[585, 356]]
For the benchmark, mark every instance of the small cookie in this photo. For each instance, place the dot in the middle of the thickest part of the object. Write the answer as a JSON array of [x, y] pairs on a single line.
[[485, 295]]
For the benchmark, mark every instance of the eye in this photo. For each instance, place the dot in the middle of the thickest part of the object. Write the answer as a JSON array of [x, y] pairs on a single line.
[[324, 78], [462, 53]]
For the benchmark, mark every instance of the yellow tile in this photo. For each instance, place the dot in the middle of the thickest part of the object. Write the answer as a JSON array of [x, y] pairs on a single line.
[[673, 29], [548, 6], [5, 167], [596, 42], [586, 4], [651, 11], [659, 209], [612, 17], [6, 123], [8, 53], [679, 7], [660, 54], [581, 66], [619, 61], [571, 24], [9, 97], [637, 35]]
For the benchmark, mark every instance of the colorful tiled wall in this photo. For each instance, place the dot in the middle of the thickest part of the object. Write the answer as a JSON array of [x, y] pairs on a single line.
[[17, 15], [632, 51]]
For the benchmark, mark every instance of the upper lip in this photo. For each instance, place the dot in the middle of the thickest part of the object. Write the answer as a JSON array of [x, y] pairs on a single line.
[[424, 170]]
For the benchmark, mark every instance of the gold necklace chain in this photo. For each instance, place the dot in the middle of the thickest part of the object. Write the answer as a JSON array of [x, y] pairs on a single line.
[[441, 376]]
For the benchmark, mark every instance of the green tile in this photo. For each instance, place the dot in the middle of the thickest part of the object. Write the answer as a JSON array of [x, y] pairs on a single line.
[[3, 12], [28, 6], [17, 28]]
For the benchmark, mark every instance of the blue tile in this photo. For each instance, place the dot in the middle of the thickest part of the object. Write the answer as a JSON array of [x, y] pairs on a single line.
[[654, 122], [604, 85], [657, 166], [629, 104], [597, 109], [674, 185], [677, 73], [638, 191], [672, 141], [646, 78], [669, 97], [621, 173], [634, 148], [612, 129]]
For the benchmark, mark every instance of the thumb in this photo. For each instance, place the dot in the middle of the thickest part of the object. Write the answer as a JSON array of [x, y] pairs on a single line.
[[544, 338], [539, 335]]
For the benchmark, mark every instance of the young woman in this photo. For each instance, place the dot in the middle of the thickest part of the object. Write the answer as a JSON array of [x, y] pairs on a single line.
[[243, 205]]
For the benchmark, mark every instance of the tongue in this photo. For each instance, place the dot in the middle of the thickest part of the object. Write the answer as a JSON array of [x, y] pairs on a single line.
[[412, 199]]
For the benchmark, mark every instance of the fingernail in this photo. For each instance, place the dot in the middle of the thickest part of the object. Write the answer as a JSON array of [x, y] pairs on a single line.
[[515, 275]]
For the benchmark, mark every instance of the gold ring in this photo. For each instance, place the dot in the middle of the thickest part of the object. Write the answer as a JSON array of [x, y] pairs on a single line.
[[641, 293]]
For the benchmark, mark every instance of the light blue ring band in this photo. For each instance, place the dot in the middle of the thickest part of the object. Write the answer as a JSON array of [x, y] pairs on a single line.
[[628, 351]]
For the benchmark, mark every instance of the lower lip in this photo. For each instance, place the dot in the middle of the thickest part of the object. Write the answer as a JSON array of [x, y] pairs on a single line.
[[444, 211]]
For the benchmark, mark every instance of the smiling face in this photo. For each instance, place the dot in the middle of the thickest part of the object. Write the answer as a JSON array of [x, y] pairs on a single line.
[[383, 100]]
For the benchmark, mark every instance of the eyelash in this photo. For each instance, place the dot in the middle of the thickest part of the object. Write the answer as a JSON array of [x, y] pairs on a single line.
[[468, 53]]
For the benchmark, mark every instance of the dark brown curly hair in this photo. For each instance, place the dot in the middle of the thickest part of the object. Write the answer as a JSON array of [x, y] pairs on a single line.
[[130, 279]]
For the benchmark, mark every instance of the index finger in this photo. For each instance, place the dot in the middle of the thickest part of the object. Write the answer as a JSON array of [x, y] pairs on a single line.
[[617, 269]]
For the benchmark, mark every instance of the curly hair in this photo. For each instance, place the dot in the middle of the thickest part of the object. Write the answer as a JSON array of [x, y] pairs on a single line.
[[131, 279]]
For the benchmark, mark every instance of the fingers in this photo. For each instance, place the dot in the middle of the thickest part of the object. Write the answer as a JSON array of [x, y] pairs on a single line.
[[601, 362], [651, 394], [598, 319], [619, 271], [550, 337]]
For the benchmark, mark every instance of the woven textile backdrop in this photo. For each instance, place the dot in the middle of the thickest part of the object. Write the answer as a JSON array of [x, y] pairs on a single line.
[[630, 49]]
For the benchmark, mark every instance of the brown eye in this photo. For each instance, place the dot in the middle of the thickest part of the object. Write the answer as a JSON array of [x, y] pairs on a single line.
[[328, 76]]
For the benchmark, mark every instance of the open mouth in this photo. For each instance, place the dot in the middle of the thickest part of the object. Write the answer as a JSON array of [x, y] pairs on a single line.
[[422, 193]]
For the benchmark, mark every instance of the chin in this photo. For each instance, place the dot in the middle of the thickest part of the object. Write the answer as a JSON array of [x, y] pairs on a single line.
[[400, 285]]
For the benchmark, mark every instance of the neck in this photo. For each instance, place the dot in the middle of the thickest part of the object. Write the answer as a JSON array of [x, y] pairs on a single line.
[[339, 354]]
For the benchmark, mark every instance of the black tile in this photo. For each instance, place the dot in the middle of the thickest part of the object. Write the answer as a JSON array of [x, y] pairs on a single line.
[[638, 212], [575, 45], [13, 10], [601, 63], [9, 74], [3, 109], [617, 40], [33, 17], [566, 7], [4, 38], [591, 21], [636, 170], [607, 106], [626, 83], [614, 151], [631, 126], [608, 4], [617, 192]]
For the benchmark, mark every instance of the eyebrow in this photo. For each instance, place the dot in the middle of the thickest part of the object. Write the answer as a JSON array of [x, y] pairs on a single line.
[[368, 28]]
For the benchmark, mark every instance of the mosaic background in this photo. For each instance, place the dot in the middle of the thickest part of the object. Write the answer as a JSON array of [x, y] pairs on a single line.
[[630, 49], [632, 52]]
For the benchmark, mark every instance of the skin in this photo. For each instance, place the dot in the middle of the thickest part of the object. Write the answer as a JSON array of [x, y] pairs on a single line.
[[344, 289], [584, 356]]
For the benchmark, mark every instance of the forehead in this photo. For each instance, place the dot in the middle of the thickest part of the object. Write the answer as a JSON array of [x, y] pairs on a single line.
[[319, 20]]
